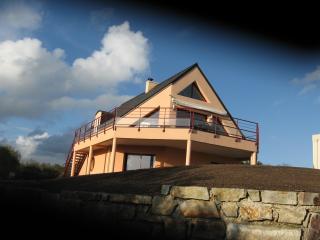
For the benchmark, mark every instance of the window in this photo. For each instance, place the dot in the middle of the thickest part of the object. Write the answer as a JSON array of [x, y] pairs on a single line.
[[183, 118], [137, 161], [200, 121], [192, 91], [149, 120], [218, 127]]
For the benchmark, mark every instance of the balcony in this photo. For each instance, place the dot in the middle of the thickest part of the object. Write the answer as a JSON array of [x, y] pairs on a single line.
[[168, 118]]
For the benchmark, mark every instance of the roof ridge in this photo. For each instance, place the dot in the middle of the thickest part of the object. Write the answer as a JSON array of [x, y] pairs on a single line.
[[142, 97]]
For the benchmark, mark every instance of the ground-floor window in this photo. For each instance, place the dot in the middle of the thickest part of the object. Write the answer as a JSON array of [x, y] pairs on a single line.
[[138, 161]]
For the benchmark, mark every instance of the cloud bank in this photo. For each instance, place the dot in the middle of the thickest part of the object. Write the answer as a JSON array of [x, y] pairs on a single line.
[[35, 81], [17, 18]]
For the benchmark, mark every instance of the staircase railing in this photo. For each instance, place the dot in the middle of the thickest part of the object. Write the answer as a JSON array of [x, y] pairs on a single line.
[[67, 169]]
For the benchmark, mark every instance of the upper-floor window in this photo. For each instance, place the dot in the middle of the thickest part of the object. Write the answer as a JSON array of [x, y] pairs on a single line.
[[192, 91]]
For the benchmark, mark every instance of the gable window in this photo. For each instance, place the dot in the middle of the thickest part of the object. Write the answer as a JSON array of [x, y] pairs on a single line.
[[192, 91], [137, 161]]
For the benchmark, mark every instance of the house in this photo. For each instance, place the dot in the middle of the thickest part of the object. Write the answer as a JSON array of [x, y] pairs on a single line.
[[316, 150], [180, 121]]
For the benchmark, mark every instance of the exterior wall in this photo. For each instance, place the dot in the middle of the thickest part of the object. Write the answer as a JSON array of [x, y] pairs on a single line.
[[211, 97], [162, 99], [177, 157], [84, 168], [316, 151], [195, 75], [165, 157], [99, 163]]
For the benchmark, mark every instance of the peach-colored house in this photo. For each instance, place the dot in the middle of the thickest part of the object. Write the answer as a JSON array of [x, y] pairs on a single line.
[[180, 121]]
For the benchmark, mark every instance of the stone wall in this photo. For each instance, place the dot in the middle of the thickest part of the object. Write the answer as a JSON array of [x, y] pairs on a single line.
[[193, 212]]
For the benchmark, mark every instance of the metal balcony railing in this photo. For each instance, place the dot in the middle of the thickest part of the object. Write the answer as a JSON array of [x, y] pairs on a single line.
[[169, 118]]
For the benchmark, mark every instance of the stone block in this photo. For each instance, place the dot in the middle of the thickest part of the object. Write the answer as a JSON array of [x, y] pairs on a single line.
[[313, 231], [254, 195], [291, 214], [209, 230], [130, 198], [230, 209], [228, 194], [165, 189], [88, 196], [114, 210], [151, 218], [126, 211], [191, 192], [279, 197], [307, 198], [253, 211], [163, 205], [198, 209], [254, 232]]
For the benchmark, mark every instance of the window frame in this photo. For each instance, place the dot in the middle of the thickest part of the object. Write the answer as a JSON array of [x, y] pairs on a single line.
[[193, 86], [152, 162]]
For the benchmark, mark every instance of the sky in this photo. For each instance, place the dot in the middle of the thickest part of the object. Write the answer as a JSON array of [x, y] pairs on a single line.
[[60, 63]]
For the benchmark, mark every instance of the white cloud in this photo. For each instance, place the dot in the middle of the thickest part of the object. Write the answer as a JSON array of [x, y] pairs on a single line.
[[27, 145], [30, 77], [16, 18], [35, 81], [123, 54], [309, 82]]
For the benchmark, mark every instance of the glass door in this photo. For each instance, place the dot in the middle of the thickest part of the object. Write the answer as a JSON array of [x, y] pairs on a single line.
[[138, 161]]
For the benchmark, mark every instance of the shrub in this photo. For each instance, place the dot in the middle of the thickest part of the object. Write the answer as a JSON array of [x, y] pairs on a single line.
[[9, 161], [32, 170]]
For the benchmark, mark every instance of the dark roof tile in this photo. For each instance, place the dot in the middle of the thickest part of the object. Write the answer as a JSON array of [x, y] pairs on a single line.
[[137, 100]]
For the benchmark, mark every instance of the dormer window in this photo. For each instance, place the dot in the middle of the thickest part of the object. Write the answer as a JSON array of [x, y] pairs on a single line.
[[192, 91]]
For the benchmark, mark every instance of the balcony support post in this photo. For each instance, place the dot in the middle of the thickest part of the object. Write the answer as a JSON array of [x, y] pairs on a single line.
[[89, 161], [113, 153], [188, 151], [73, 163], [106, 160], [253, 158]]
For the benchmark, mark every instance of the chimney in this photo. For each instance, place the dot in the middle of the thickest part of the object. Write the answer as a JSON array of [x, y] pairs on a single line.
[[150, 84]]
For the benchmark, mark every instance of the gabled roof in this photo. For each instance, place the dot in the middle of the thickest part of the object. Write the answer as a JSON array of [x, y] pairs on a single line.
[[136, 101]]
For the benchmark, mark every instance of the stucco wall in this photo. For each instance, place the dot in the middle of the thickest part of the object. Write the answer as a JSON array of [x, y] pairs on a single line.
[[165, 157]]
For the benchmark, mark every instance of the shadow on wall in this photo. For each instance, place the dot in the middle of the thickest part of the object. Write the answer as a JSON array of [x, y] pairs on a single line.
[[178, 213]]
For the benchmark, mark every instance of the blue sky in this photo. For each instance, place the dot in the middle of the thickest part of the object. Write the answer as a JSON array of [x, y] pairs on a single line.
[[258, 80]]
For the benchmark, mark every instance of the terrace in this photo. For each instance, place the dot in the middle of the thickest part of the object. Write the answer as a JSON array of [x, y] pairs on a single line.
[[167, 118]]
